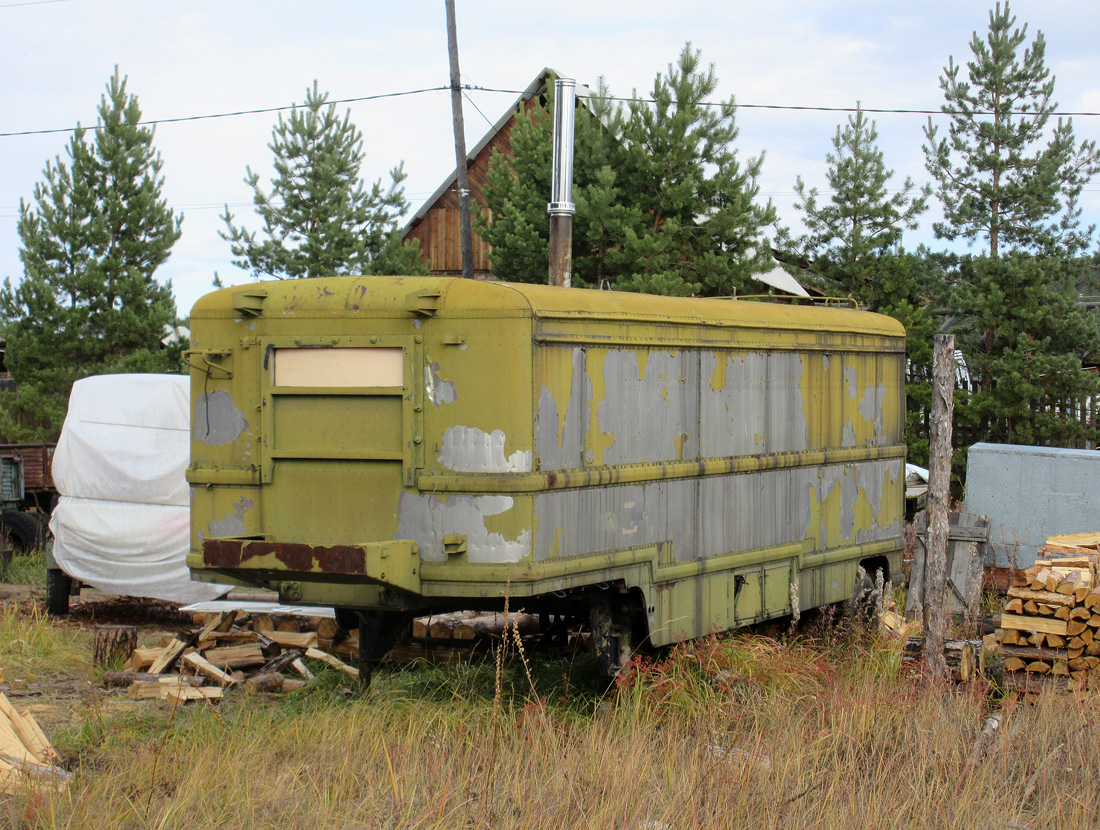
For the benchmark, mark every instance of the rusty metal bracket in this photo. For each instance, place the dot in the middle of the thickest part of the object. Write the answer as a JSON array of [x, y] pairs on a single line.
[[205, 366]]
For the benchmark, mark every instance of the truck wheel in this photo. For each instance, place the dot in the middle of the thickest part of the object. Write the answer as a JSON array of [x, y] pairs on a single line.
[[58, 585], [24, 532]]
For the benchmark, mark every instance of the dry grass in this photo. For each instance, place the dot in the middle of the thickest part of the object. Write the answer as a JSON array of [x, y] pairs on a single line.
[[31, 649], [815, 732]]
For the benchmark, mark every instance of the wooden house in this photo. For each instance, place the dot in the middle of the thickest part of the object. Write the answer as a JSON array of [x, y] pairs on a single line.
[[436, 224]]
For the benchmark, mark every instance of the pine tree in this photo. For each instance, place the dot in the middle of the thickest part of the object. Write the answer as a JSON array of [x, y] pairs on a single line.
[[700, 228], [319, 218], [515, 223], [663, 204], [1000, 176], [861, 220], [1025, 338], [88, 302]]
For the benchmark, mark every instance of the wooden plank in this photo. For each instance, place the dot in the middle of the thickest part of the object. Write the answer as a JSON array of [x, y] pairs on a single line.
[[1083, 540], [182, 694], [1049, 597], [207, 669], [335, 662], [1042, 625]]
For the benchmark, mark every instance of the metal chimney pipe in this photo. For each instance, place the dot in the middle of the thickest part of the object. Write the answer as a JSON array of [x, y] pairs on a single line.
[[561, 207]]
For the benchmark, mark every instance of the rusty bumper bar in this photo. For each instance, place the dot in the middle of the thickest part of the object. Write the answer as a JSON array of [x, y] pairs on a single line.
[[394, 563]]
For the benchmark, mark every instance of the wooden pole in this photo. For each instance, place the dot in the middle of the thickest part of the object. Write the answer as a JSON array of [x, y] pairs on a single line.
[[939, 493], [460, 147]]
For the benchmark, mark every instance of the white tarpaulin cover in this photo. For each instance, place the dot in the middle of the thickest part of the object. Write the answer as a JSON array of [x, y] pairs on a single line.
[[122, 523]]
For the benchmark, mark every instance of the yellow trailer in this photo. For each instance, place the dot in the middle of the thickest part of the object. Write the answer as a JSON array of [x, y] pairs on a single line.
[[662, 467]]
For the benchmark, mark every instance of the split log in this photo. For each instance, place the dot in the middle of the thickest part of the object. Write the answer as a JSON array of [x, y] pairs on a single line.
[[182, 694], [112, 645], [175, 648], [1049, 597], [299, 666], [335, 662], [1043, 625], [1038, 667], [1014, 606], [142, 658], [294, 639], [280, 662], [263, 622], [207, 669], [219, 622], [127, 678], [235, 657], [1030, 652], [1075, 627]]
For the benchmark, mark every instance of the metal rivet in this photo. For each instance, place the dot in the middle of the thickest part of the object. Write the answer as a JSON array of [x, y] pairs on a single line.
[[418, 339], [418, 439]]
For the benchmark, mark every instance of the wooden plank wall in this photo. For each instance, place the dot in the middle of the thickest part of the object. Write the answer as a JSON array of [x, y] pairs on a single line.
[[438, 230]]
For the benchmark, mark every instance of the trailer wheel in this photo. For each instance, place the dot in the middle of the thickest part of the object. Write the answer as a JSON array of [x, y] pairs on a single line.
[[611, 635], [378, 631], [58, 585], [23, 531], [862, 604]]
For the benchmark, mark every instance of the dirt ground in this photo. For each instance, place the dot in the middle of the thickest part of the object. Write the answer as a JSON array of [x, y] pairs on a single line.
[[62, 693]]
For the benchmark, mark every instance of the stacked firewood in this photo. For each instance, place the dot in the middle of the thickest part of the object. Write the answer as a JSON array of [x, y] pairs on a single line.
[[1050, 628], [272, 653], [203, 663]]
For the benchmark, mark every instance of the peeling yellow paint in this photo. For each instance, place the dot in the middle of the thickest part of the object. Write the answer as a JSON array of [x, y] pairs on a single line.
[[681, 439]]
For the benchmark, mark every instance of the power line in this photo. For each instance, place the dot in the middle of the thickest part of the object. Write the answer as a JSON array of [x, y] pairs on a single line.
[[474, 88], [30, 3]]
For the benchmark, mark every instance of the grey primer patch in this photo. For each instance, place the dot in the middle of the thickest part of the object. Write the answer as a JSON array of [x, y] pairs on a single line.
[[471, 450], [566, 453], [650, 414], [426, 519], [760, 408], [439, 391], [233, 524], [848, 437], [217, 421], [871, 406], [852, 376]]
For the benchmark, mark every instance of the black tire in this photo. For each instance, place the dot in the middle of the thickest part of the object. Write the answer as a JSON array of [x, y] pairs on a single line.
[[23, 531], [862, 605], [379, 631], [58, 585]]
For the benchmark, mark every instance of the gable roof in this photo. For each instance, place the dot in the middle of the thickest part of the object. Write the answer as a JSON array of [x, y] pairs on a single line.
[[538, 86]]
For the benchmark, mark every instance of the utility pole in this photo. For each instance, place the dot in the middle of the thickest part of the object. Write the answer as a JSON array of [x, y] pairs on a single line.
[[460, 146]]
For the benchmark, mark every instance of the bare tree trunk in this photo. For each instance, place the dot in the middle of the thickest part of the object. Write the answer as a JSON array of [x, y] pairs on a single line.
[[939, 493]]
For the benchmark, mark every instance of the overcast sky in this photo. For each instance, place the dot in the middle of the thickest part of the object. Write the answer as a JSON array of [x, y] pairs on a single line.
[[200, 58]]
